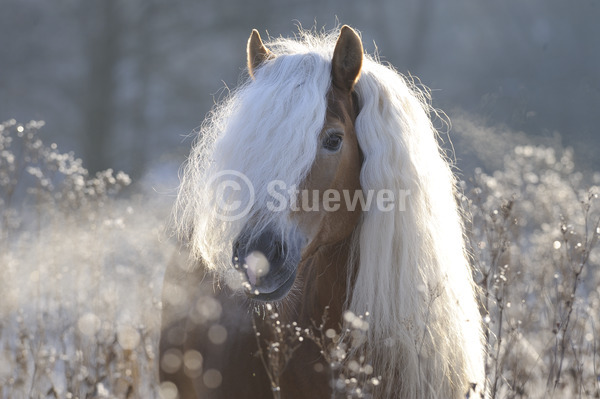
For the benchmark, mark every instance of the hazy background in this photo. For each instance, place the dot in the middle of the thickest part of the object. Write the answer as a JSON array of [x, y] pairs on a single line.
[[122, 83]]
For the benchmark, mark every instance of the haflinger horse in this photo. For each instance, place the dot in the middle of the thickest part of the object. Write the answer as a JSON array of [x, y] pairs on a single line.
[[317, 115]]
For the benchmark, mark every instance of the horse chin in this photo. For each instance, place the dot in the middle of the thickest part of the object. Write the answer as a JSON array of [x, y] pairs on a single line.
[[275, 284], [277, 294]]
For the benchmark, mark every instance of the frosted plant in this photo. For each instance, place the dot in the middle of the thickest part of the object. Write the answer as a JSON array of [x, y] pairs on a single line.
[[534, 234], [81, 278]]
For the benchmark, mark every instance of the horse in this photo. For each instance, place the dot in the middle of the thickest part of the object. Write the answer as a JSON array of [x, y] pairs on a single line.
[[317, 198]]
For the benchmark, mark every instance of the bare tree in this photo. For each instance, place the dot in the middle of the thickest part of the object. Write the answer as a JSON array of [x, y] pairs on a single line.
[[102, 41]]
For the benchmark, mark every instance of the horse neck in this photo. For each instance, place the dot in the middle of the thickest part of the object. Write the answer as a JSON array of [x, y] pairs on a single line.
[[324, 281]]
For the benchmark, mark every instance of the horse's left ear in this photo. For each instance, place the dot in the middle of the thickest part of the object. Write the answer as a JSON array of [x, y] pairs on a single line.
[[347, 59], [257, 52]]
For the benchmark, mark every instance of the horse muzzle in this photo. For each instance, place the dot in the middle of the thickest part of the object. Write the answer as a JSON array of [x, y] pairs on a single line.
[[268, 262]]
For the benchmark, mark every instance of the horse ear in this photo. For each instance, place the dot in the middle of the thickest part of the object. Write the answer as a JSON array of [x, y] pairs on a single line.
[[347, 59], [257, 52]]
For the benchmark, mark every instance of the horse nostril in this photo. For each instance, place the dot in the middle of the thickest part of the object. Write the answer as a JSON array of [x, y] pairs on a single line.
[[279, 250]]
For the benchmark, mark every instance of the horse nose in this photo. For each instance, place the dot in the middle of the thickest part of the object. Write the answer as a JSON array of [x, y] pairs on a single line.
[[260, 256], [268, 263], [256, 259]]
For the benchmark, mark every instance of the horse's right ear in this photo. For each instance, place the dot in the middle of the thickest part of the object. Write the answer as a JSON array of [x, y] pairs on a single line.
[[347, 59], [257, 52]]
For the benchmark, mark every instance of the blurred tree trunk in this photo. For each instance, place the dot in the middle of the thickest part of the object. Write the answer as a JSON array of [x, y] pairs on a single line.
[[102, 42], [421, 31], [405, 29], [144, 64]]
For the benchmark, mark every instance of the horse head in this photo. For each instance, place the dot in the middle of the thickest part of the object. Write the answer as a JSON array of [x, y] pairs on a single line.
[[320, 217]]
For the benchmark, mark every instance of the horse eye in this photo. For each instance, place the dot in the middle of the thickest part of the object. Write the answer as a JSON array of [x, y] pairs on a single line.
[[332, 142]]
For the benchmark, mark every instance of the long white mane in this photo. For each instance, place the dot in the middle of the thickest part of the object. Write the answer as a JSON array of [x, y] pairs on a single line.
[[413, 277]]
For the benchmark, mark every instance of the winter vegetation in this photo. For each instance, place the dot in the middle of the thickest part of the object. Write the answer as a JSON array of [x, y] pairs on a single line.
[[81, 275], [534, 230], [83, 258]]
